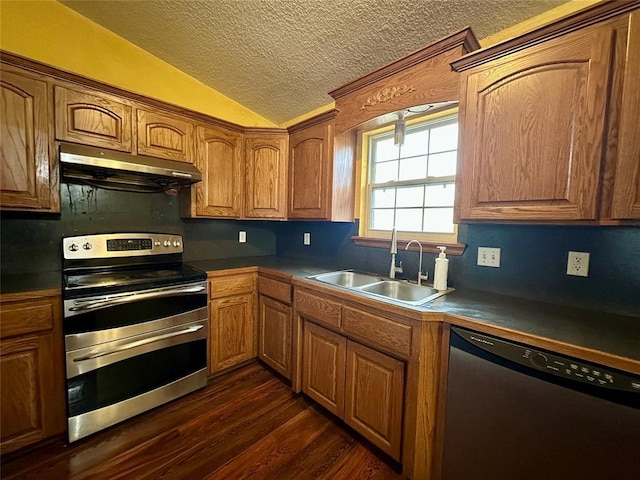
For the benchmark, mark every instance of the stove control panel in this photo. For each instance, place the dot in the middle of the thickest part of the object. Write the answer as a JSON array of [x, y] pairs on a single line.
[[120, 245]]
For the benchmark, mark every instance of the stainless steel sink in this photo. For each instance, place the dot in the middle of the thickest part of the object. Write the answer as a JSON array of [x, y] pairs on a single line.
[[403, 292], [400, 291], [348, 279]]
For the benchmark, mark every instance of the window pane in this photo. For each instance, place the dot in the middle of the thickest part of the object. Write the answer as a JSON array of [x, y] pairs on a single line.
[[443, 164], [409, 219], [385, 172], [440, 195], [444, 138], [381, 219], [385, 150], [384, 197], [412, 168], [410, 196], [415, 143], [438, 220]]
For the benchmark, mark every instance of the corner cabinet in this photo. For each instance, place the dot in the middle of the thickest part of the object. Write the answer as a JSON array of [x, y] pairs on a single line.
[[321, 171], [266, 175], [535, 119], [28, 172], [275, 324], [232, 338], [31, 370]]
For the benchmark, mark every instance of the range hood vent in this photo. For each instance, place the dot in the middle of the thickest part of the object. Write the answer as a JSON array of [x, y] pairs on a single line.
[[113, 170]]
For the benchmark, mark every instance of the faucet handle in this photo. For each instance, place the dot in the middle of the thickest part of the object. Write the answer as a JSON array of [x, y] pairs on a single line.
[[399, 268]]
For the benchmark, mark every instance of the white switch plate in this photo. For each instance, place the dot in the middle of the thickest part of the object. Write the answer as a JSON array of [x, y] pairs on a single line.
[[489, 257], [307, 239], [242, 237], [578, 264]]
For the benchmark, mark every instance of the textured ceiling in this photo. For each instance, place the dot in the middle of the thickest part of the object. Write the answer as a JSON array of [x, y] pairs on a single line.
[[279, 58]]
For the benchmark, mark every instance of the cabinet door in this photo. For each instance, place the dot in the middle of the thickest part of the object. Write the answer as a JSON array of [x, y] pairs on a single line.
[[374, 397], [86, 117], [274, 344], [532, 127], [232, 329], [165, 136], [31, 373], [324, 358], [626, 189], [266, 177], [310, 172], [27, 179], [220, 161]]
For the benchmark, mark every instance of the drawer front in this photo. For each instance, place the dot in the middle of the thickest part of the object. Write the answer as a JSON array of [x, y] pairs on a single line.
[[20, 318], [274, 289], [378, 331], [231, 285], [319, 309]]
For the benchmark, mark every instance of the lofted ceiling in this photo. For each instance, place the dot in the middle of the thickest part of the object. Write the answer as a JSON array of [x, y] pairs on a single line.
[[279, 58]]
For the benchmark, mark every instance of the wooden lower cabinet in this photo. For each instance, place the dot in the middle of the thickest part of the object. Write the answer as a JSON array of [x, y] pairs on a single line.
[[358, 384], [324, 360], [274, 345], [32, 404], [232, 314]]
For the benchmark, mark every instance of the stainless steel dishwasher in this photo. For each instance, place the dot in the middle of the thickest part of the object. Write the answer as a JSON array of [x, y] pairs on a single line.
[[516, 412]]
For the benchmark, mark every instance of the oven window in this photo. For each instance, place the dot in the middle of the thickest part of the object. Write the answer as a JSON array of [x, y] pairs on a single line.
[[133, 313], [132, 377]]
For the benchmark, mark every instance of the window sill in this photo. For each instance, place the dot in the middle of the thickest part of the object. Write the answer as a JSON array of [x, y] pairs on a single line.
[[428, 247]]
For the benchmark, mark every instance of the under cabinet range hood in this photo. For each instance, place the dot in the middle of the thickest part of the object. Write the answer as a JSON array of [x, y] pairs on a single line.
[[113, 170]]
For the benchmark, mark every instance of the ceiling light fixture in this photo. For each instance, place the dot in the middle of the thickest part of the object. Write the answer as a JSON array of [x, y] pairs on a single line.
[[400, 129]]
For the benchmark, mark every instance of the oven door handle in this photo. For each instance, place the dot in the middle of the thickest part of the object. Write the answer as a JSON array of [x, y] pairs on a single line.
[[138, 343], [87, 305]]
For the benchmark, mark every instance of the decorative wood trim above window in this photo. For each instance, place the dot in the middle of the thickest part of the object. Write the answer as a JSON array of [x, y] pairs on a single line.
[[427, 247]]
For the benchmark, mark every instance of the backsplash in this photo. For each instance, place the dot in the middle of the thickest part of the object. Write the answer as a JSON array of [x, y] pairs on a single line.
[[31, 243], [533, 260]]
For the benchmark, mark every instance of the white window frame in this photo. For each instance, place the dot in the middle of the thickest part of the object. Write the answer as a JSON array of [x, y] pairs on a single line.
[[367, 186]]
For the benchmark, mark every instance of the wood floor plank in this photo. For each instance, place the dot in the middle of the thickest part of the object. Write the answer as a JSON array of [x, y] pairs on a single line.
[[243, 425]]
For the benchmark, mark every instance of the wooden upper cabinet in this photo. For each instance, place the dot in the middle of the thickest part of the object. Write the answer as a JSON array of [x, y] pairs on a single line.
[[321, 171], [626, 187], [266, 176], [532, 128], [92, 118], [165, 136], [220, 160], [28, 174]]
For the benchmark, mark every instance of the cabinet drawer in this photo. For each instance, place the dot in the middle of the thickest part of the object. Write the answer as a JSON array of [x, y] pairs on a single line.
[[275, 289], [318, 308], [20, 318], [231, 285], [377, 330]]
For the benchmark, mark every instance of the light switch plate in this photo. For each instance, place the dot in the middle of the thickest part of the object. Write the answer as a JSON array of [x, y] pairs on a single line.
[[307, 239], [242, 237], [489, 257]]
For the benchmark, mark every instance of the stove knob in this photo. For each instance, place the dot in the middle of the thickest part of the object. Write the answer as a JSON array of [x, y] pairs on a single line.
[[87, 246], [166, 243], [73, 247], [176, 244], [539, 360], [157, 244]]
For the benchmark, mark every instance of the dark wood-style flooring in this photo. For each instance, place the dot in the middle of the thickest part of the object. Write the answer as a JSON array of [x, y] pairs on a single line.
[[246, 424]]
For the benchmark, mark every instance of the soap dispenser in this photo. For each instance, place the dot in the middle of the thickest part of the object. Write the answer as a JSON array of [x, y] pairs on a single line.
[[441, 271]]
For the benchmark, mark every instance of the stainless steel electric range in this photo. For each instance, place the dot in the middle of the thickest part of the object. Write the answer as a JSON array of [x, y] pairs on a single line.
[[135, 326]]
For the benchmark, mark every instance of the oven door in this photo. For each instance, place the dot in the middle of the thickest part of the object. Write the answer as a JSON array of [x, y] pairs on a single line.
[[123, 357]]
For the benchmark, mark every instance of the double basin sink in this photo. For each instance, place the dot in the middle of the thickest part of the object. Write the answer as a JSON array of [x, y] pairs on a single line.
[[400, 291]]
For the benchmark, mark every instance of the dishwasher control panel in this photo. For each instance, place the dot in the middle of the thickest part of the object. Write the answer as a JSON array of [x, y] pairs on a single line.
[[553, 363]]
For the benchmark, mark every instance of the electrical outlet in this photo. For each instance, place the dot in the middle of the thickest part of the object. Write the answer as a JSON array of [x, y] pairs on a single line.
[[307, 239], [489, 257], [578, 264], [242, 237]]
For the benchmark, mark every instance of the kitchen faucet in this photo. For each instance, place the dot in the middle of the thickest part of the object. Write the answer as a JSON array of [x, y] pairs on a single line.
[[420, 276], [393, 251]]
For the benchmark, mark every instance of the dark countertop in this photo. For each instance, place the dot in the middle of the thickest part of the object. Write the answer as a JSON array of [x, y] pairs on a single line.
[[612, 334]]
